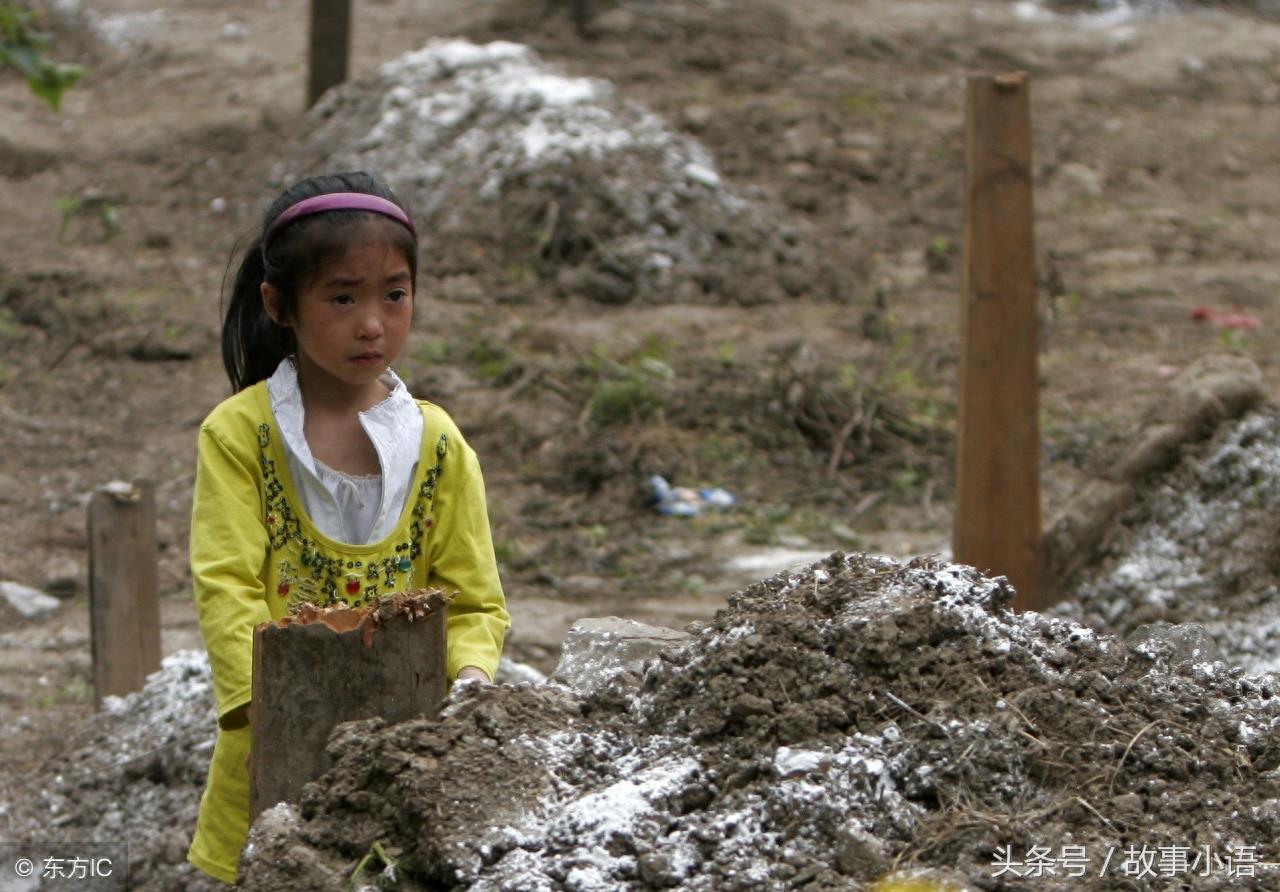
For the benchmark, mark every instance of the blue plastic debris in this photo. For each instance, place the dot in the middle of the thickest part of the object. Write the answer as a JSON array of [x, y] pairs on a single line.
[[681, 501]]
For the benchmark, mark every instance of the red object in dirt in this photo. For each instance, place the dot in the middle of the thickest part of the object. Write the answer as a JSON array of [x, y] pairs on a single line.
[[1238, 322], [282, 589], [353, 586], [1235, 320]]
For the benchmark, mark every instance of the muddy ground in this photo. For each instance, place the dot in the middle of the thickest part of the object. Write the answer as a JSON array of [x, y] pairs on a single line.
[[823, 400]]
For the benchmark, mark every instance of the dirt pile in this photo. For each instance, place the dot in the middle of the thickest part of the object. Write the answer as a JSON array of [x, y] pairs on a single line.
[[1124, 468], [859, 717], [133, 773], [1198, 547], [523, 177]]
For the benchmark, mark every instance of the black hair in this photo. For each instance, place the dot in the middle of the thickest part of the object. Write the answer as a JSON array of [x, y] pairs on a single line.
[[252, 343]]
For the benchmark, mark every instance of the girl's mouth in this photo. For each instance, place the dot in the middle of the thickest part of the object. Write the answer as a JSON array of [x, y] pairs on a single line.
[[367, 359]]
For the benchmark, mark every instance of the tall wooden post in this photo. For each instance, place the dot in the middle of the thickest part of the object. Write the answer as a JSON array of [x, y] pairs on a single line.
[[124, 609], [997, 525], [330, 46], [310, 674]]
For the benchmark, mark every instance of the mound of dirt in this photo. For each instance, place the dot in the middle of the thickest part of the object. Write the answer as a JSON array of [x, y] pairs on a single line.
[[522, 176], [1198, 547], [1206, 397], [831, 726], [133, 773]]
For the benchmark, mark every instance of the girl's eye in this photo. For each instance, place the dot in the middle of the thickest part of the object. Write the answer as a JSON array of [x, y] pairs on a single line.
[[342, 299], [398, 295]]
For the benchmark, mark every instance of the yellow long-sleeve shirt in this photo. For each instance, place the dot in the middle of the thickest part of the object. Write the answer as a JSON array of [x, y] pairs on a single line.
[[254, 551]]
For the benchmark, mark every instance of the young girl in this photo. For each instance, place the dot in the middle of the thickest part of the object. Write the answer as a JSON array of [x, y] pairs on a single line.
[[321, 479]]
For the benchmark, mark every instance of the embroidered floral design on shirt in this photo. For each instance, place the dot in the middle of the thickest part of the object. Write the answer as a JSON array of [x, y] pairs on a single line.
[[325, 578]]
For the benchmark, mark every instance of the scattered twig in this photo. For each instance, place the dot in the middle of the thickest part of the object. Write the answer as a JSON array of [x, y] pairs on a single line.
[[75, 342], [1114, 774], [842, 438], [915, 712], [866, 503], [1012, 705], [1096, 813]]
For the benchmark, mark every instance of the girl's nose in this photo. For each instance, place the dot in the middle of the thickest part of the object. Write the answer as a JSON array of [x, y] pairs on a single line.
[[370, 325]]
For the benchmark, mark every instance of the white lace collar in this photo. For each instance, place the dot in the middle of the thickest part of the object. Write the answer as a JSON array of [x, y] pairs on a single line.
[[394, 427]]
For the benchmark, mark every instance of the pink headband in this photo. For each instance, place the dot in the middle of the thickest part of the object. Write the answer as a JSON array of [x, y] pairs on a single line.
[[337, 201]]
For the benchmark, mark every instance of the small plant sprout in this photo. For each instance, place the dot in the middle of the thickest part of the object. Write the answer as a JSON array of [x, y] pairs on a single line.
[[387, 878], [88, 210]]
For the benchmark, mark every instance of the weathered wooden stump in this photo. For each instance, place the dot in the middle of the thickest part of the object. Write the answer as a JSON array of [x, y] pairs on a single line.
[[124, 609], [322, 667]]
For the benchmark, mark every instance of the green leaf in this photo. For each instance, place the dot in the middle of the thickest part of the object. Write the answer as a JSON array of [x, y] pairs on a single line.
[[51, 80], [20, 46]]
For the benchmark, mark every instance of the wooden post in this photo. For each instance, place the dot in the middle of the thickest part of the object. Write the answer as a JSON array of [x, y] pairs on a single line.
[[312, 673], [997, 526], [124, 611], [329, 48], [580, 13]]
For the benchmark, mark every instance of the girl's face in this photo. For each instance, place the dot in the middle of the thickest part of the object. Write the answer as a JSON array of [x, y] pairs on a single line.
[[351, 320]]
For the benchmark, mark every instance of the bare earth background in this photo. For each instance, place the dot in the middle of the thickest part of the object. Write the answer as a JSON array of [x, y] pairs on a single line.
[[824, 405]]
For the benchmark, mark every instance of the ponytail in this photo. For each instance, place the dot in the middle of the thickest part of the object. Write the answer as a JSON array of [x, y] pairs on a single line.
[[252, 343]]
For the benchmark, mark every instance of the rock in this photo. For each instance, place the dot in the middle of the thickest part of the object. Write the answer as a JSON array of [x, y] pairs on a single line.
[[1183, 642], [1128, 804], [789, 762], [31, 603], [596, 650], [511, 672], [859, 853], [657, 870]]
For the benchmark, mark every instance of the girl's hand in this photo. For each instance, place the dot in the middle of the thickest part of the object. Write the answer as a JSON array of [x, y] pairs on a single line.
[[474, 673]]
